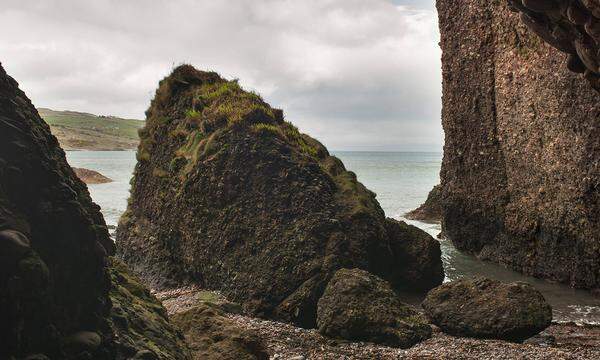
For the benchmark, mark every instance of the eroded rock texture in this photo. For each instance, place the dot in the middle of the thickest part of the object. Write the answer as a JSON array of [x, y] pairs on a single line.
[[55, 285], [521, 168], [359, 306], [53, 240], [230, 196], [485, 308], [571, 26]]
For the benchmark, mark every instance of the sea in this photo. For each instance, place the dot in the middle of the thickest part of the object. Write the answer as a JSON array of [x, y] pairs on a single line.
[[401, 181]]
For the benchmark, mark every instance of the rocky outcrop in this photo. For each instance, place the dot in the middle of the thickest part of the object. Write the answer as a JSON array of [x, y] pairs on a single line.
[[485, 308], [54, 248], [359, 306], [521, 168], [90, 176], [570, 26], [431, 209], [53, 281], [231, 197]]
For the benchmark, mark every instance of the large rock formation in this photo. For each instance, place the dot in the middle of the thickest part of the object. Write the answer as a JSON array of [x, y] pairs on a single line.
[[359, 306], [571, 26], [54, 278], [54, 242], [521, 168], [487, 308], [230, 196]]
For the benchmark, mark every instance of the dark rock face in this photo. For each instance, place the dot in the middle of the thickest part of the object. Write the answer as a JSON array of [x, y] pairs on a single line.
[[212, 336], [359, 306], [54, 273], [53, 239], [521, 169], [485, 308], [431, 209], [570, 26], [230, 196], [140, 322]]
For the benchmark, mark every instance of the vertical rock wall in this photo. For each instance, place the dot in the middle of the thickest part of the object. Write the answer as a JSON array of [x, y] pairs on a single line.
[[53, 240], [521, 168]]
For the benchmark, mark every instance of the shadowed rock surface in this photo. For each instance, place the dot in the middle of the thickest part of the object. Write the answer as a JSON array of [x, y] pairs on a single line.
[[431, 209], [484, 308], [359, 306], [521, 168], [230, 196], [54, 247], [53, 239], [570, 26]]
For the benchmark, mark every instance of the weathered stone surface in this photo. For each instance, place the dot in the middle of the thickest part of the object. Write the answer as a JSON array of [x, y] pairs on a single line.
[[431, 209], [142, 328], [359, 306], [228, 195], [212, 336], [485, 308], [570, 26], [54, 279], [521, 168]]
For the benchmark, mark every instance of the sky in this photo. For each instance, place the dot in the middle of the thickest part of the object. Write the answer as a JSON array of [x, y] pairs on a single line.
[[355, 74]]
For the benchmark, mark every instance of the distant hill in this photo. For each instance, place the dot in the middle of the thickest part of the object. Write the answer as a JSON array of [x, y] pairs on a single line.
[[83, 131]]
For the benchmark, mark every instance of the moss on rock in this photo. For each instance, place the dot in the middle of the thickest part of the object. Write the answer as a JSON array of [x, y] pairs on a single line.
[[251, 206]]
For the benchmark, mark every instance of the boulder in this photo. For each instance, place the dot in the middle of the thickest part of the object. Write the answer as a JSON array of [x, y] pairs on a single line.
[[230, 196], [484, 308], [212, 336], [359, 306]]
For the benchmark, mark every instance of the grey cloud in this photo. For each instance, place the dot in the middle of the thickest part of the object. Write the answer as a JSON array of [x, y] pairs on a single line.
[[354, 73]]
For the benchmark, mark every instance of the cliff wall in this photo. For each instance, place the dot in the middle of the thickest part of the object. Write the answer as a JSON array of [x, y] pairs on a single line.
[[521, 168]]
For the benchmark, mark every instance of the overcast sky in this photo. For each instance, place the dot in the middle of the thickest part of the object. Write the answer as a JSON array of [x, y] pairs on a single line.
[[355, 74]]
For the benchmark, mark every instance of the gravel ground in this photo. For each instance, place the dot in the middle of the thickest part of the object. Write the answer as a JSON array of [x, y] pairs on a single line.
[[284, 341]]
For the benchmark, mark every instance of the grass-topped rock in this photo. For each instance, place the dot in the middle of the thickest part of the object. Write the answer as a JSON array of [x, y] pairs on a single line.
[[230, 196]]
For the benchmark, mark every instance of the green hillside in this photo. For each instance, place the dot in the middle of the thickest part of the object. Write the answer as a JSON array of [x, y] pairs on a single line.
[[84, 131]]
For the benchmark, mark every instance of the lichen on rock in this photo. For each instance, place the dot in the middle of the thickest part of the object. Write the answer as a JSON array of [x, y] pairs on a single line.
[[230, 196]]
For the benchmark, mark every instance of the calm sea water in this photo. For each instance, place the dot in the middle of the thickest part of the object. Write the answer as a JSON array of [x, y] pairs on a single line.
[[401, 180]]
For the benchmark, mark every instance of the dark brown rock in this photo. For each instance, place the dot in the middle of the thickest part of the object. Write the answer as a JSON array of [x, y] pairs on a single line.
[[484, 308], [521, 161], [231, 197], [90, 176], [60, 284], [431, 209], [54, 248], [567, 26], [359, 306]]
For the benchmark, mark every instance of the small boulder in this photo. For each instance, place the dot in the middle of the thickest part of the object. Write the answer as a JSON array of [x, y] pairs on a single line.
[[485, 308], [359, 306]]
